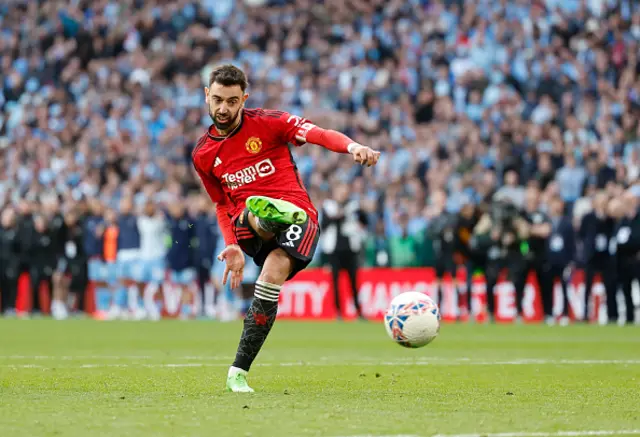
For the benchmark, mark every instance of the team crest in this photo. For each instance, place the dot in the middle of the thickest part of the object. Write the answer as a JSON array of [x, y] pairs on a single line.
[[254, 145]]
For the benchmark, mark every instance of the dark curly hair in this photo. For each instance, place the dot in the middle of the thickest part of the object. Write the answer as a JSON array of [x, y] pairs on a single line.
[[229, 75]]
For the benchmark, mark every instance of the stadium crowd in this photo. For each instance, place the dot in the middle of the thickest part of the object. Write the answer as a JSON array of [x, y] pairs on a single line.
[[470, 101]]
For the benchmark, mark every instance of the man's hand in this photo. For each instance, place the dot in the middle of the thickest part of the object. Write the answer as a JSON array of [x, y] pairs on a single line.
[[234, 258], [364, 155]]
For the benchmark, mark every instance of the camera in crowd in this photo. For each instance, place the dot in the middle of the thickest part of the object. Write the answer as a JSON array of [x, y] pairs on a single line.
[[503, 215]]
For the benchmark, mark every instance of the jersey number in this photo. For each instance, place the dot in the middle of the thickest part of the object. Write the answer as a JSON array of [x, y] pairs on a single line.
[[294, 233]]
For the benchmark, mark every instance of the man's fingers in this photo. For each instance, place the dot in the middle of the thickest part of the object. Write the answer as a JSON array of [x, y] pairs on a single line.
[[236, 279], [225, 274], [366, 157]]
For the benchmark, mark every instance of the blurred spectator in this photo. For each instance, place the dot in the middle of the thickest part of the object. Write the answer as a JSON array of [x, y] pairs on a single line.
[[179, 257], [9, 260], [560, 256], [595, 233], [627, 242], [342, 221]]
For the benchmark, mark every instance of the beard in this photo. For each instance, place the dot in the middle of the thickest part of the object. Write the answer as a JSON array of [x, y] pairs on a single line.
[[224, 125]]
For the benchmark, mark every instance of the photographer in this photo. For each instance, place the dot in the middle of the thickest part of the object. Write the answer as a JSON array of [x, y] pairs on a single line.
[[42, 257], [627, 242], [595, 233], [9, 260], [451, 234], [500, 234], [536, 257], [344, 227], [75, 262], [560, 255], [441, 231]]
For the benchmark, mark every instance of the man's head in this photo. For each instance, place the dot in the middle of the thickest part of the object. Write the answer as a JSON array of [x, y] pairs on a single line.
[[511, 178], [8, 218], [226, 95], [126, 206], [71, 217], [149, 208], [532, 199], [556, 206], [600, 201]]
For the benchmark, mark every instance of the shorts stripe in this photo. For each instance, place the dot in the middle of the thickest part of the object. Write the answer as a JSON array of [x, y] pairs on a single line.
[[306, 246], [303, 243], [309, 242]]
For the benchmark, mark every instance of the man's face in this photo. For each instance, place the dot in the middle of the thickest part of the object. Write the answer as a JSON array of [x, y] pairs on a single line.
[[531, 199], [149, 209], [225, 103]]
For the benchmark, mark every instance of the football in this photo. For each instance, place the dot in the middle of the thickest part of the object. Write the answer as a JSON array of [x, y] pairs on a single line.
[[412, 320]]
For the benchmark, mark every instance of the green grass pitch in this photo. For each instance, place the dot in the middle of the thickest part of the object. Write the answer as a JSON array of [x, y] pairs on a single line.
[[88, 378]]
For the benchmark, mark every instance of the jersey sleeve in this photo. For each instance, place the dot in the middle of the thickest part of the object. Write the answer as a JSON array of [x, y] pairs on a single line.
[[293, 128], [211, 184], [216, 193]]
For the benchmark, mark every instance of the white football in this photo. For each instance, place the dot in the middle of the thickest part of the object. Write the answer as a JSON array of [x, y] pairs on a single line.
[[413, 319]]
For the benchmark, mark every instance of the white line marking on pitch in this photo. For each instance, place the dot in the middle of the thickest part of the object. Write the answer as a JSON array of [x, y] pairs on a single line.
[[524, 434], [548, 434], [325, 364]]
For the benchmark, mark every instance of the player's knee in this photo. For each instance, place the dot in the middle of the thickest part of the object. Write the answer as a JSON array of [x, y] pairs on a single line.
[[277, 267]]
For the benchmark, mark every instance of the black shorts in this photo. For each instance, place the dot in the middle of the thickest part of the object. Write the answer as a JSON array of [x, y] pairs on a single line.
[[298, 241]]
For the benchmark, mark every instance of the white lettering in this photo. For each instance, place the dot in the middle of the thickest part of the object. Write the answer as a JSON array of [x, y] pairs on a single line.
[[505, 300], [294, 298], [172, 295], [301, 135], [294, 119], [528, 299], [249, 174]]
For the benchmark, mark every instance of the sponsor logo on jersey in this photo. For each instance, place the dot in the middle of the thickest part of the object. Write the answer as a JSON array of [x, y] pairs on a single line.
[[254, 145], [249, 174]]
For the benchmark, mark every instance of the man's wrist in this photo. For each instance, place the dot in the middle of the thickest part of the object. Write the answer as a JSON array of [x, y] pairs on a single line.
[[351, 146]]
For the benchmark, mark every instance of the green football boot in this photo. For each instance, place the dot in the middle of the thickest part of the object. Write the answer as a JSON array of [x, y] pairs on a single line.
[[275, 215], [238, 383]]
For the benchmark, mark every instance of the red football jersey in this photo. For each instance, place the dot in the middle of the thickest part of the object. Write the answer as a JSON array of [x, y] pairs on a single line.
[[254, 160]]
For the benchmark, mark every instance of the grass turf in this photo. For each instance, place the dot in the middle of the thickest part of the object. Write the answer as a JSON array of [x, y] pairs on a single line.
[[87, 378]]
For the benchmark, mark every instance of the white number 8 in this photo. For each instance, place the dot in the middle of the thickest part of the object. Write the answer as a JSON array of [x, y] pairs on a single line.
[[294, 233]]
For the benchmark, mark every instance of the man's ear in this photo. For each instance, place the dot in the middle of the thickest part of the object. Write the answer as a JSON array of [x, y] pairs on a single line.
[[206, 95], [244, 98]]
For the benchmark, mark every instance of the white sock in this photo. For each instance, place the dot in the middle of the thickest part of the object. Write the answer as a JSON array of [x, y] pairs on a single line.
[[233, 371]]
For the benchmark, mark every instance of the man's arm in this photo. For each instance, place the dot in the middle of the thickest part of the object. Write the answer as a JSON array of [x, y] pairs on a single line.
[[299, 131], [232, 254], [215, 192]]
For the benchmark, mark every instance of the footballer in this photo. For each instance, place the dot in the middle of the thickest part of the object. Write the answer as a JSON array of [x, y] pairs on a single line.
[[263, 209]]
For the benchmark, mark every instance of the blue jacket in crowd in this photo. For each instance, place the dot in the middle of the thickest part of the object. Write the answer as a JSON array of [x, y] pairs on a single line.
[[206, 237], [561, 243], [179, 256], [128, 233], [93, 245]]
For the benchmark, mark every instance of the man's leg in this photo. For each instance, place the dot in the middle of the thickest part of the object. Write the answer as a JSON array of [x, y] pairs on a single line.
[[260, 317], [350, 262], [626, 278], [334, 262], [545, 282], [589, 274], [282, 250]]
